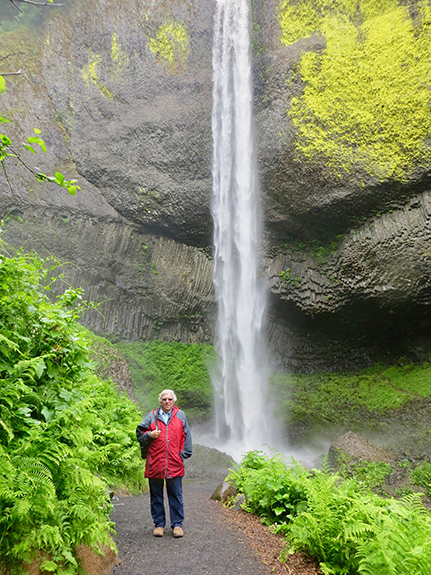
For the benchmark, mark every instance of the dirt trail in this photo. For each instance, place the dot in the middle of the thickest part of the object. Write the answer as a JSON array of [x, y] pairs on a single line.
[[211, 545]]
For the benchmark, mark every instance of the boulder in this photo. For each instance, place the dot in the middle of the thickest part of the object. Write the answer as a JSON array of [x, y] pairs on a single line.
[[207, 463], [352, 448], [225, 492]]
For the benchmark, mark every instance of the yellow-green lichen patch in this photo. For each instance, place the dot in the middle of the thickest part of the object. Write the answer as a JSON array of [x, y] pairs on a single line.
[[90, 73], [118, 55], [171, 47], [366, 99]]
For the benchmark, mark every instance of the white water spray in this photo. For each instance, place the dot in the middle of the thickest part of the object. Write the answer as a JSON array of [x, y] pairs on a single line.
[[243, 419]]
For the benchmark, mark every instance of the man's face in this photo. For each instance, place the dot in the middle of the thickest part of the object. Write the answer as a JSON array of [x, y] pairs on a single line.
[[167, 402]]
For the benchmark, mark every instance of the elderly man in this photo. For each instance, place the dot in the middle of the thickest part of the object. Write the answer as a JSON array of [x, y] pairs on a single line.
[[166, 434]]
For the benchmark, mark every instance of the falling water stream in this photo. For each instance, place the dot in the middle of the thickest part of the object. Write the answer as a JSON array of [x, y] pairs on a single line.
[[243, 419]]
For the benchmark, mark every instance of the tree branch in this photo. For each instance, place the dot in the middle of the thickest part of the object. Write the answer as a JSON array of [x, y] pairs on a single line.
[[11, 73], [21, 160], [17, 7], [6, 176], [33, 3]]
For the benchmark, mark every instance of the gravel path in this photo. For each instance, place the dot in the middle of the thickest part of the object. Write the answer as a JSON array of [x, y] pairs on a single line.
[[210, 546]]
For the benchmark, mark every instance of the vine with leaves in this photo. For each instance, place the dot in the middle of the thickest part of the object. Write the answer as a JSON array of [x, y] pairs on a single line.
[[8, 150]]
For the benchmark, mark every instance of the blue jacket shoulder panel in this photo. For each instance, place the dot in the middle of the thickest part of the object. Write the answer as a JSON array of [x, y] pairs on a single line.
[[187, 451], [142, 433]]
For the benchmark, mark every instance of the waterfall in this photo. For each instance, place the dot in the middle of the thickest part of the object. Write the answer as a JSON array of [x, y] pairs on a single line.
[[242, 416]]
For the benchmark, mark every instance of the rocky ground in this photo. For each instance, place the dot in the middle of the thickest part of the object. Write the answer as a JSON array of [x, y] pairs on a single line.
[[217, 541], [211, 544]]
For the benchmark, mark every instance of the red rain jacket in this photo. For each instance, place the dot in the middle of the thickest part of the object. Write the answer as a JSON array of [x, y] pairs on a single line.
[[166, 453]]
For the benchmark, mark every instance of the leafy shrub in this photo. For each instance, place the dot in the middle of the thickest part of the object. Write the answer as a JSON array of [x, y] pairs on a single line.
[[344, 525], [421, 475], [273, 490], [64, 434]]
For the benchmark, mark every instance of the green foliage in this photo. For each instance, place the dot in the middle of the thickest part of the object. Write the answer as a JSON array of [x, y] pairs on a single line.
[[285, 275], [273, 490], [421, 475], [64, 434], [321, 250], [158, 365], [366, 99], [370, 473], [345, 526]]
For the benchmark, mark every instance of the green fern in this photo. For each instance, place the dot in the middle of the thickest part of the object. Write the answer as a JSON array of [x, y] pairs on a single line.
[[345, 526], [64, 433]]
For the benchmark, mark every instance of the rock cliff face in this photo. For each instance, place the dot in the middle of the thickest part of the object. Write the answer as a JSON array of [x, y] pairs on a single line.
[[122, 94]]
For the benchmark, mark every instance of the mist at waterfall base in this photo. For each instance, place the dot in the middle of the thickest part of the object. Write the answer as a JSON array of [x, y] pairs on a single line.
[[243, 416]]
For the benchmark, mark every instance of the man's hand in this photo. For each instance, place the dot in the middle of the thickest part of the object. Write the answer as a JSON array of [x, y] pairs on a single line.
[[155, 433]]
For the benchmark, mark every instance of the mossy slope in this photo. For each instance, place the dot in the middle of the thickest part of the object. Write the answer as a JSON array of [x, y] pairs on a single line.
[[373, 401], [157, 365]]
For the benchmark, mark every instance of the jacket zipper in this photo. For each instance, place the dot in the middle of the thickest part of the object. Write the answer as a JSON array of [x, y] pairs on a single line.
[[167, 446]]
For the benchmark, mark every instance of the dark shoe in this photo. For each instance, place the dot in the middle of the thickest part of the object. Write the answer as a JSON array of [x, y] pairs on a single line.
[[158, 532], [178, 532]]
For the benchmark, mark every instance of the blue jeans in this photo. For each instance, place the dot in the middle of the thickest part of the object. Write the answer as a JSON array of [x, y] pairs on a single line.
[[174, 487]]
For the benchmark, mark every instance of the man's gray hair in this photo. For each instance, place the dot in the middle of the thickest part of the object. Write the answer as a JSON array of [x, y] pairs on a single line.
[[165, 392]]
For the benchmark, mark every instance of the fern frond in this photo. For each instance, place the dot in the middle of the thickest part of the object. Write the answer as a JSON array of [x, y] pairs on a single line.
[[6, 343], [30, 367], [414, 500], [8, 429], [357, 530], [34, 475]]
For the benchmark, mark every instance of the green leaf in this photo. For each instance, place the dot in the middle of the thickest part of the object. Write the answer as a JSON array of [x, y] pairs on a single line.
[[28, 147], [5, 140], [2, 85], [39, 367], [49, 566], [2, 119], [71, 190], [47, 414], [59, 178], [37, 140]]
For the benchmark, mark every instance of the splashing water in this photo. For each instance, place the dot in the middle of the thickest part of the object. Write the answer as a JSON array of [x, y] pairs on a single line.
[[243, 419]]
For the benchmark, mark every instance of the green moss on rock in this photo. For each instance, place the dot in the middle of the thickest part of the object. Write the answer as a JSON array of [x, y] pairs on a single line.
[[171, 47], [366, 99], [359, 401], [89, 73]]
